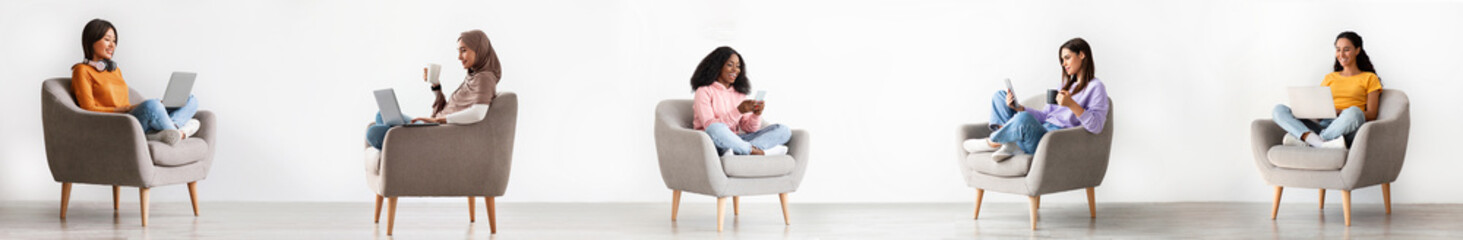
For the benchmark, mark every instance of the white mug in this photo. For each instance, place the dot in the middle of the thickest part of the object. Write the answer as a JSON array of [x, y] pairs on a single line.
[[433, 71]]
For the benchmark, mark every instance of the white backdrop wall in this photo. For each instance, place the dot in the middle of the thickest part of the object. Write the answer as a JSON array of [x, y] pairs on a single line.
[[881, 85]]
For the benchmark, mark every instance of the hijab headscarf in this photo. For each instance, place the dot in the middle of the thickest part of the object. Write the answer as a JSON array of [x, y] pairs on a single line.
[[487, 59], [481, 84]]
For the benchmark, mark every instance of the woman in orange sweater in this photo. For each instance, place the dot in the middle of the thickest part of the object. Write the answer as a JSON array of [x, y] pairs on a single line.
[[98, 86]]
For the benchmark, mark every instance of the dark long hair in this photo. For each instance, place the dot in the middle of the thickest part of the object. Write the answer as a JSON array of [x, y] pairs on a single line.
[[1363, 62], [1089, 71], [94, 31], [710, 69]]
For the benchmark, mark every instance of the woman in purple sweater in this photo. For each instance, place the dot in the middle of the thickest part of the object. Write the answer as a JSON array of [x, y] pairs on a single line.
[[1081, 102]]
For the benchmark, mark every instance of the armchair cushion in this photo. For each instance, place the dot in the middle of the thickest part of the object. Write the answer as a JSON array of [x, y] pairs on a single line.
[[747, 166], [1016, 166], [1307, 158], [181, 153]]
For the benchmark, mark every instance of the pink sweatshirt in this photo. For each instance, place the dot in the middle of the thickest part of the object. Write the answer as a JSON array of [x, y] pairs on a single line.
[[717, 103]]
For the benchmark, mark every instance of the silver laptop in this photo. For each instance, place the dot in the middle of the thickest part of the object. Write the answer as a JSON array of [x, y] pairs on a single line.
[[391, 112], [180, 86], [1312, 103]]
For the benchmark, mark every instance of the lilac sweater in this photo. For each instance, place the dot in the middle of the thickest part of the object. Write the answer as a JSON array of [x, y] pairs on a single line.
[[1094, 102]]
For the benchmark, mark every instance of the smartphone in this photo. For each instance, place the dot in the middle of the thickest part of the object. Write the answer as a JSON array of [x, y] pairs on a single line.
[[1010, 90], [761, 94]]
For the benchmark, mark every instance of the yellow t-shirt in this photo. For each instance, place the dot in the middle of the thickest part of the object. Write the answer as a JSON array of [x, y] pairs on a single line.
[[1351, 91]]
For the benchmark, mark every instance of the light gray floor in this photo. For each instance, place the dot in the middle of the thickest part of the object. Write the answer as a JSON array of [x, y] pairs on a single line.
[[436, 220]]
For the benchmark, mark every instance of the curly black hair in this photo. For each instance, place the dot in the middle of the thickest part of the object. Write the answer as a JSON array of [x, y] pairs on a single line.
[[1363, 62], [710, 68]]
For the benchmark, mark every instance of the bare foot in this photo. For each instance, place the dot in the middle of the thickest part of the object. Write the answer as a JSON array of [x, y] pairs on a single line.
[[993, 145], [756, 151]]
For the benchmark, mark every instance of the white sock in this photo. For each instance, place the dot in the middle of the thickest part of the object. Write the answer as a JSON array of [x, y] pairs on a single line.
[[1339, 143], [1291, 140], [1313, 140], [775, 151], [1005, 152], [191, 127]]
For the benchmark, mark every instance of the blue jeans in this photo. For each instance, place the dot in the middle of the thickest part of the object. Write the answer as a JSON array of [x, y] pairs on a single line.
[[1015, 127], [741, 144], [155, 117], [1344, 125], [377, 133]]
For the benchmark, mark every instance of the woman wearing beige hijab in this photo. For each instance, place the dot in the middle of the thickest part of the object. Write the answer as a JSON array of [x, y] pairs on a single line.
[[469, 103]]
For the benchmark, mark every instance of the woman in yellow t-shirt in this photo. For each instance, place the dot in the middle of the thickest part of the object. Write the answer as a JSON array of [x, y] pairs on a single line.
[[1356, 91]]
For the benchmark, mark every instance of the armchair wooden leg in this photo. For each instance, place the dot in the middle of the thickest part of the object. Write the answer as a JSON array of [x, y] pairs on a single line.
[[1346, 205], [1035, 201], [472, 206], [116, 198], [390, 215], [1387, 196], [1275, 207], [783, 198], [1091, 202], [1323, 198], [193, 196], [378, 208], [65, 198], [720, 212], [675, 203], [736, 206], [142, 194], [492, 213], [1038, 202], [979, 194]]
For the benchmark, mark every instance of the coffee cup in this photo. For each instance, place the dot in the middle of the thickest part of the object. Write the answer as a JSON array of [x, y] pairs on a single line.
[[1051, 96], [433, 72]]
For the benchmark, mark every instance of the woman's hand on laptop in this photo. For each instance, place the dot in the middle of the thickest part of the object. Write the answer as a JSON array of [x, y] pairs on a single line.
[[429, 120]]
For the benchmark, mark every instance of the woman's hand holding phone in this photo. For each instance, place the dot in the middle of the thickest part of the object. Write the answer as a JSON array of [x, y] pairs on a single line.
[[1011, 101], [747, 106]]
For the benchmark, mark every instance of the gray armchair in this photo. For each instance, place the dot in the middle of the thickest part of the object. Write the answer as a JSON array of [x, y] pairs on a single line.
[[447, 161], [1065, 159], [688, 162], [1375, 156], [111, 149]]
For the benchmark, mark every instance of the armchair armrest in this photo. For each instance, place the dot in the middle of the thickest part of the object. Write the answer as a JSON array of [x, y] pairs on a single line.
[[688, 159], [1069, 158], [444, 160], [970, 131], [1377, 152], [206, 131], [798, 146], [93, 147], [1264, 133]]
